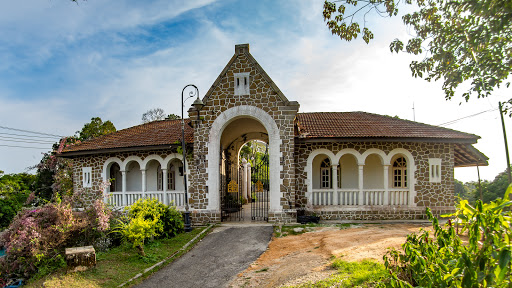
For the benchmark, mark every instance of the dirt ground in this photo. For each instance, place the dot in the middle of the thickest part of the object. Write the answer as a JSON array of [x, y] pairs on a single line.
[[295, 259]]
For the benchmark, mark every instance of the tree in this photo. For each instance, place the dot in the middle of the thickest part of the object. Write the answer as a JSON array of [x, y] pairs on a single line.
[[153, 115], [173, 117], [461, 40], [95, 128]]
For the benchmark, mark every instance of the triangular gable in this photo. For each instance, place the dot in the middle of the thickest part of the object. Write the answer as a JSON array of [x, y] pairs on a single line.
[[244, 49]]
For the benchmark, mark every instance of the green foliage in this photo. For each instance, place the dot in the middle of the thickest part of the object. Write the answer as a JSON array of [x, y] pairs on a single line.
[[95, 128], [148, 218], [366, 273], [14, 191], [446, 261], [173, 117], [461, 41], [491, 190]]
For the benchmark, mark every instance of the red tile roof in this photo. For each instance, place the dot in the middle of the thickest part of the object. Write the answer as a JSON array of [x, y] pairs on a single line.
[[368, 125], [164, 132], [316, 125]]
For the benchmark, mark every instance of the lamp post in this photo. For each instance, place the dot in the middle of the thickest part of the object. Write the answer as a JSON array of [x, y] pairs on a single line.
[[198, 104]]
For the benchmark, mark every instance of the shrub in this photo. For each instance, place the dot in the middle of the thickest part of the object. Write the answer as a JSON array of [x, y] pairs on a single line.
[[446, 261], [148, 218], [37, 237]]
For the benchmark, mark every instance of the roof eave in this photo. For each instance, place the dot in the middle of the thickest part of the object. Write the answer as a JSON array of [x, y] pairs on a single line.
[[74, 154], [384, 139]]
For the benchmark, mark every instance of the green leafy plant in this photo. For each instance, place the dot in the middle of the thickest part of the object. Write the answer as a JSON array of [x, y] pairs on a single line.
[[445, 260], [148, 218]]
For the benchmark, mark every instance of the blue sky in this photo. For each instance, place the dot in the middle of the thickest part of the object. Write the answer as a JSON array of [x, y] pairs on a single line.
[[62, 64]]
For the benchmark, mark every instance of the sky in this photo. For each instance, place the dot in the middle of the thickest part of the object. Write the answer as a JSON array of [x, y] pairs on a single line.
[[62, 63]]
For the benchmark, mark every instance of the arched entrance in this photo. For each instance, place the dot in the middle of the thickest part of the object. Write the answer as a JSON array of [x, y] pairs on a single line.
[[244, 183], [230, 131]]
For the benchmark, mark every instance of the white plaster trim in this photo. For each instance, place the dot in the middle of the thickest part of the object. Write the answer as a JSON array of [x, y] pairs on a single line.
[[411, 170], [107, 164], [309, 169], [382, 155], [152, 157], [357, 155], [361, 158], [130, 159], [218, 126]]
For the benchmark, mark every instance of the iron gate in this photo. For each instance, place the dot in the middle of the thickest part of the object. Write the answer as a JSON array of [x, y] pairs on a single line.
[[231, 189], [259, 189]]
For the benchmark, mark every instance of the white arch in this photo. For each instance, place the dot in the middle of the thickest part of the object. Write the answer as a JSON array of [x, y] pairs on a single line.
[[130, 159], [408, 156], [218, 126], [411, 171], [107, 164], [149, 158], [354, 152], [309, 169], [168, 159], [382, 155]]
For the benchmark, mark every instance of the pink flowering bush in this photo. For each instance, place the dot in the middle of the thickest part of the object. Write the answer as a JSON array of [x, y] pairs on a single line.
[[36, 235], [36, 238]]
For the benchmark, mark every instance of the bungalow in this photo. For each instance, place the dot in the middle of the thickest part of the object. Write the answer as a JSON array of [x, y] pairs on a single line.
[[338, 165]]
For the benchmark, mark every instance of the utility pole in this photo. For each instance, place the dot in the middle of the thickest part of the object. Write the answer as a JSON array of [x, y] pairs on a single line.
[[506, 145]]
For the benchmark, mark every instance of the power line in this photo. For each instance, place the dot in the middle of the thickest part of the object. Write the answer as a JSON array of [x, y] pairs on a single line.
[[469, 116], [28, 131], [13, 146], [14, 139], [31, 136]]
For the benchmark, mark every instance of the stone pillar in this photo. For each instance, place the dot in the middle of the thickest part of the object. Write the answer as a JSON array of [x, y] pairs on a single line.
[[143, 183], [125, 201], [361, 182], [335, 200], [164, 186], [386, 184]]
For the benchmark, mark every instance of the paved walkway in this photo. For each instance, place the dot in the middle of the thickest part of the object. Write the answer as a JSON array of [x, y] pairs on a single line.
[[213, 262]]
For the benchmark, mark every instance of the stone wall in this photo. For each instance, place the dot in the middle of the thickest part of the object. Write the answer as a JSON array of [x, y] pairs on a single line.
[[264, 96], [437, 196], [96, 162]]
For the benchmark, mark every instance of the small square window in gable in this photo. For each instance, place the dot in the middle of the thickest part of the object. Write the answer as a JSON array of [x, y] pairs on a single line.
[[242, 83]]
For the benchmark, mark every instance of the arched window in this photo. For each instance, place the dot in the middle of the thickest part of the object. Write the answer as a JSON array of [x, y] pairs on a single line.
[[400, 173], [325, 174]]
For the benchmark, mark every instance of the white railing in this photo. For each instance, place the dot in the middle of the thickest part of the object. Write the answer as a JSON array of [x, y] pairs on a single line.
[[373, 197], [323, 197], [174, 198], [366, 197], [399, 197], [348, 197]]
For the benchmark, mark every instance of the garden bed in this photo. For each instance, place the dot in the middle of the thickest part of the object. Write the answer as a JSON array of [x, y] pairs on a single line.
[[120, 264]]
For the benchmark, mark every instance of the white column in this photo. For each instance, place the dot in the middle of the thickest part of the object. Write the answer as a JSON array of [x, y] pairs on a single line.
[[249, 181], [244, 179], [143, 183], [125, 201], [164, 187], [361, 182], [386, 184], [335, 200]]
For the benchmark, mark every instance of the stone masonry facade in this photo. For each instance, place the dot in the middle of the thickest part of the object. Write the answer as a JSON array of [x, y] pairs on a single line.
[[439, 197], [222, 98]]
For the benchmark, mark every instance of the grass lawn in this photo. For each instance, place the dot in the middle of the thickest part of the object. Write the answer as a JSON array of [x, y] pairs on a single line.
[[119, 264], [365, 273]]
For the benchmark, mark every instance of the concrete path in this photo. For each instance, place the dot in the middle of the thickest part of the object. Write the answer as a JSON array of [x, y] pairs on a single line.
[[213, 262]]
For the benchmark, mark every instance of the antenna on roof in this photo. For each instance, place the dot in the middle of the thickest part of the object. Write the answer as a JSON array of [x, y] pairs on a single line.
[[413, 112]]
